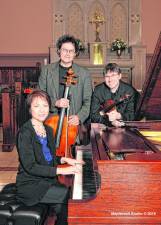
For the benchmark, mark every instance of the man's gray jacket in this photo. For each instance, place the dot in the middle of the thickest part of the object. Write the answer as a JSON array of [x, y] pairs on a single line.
[[80, 93]]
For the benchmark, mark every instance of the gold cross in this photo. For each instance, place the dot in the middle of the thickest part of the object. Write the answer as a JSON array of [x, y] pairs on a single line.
[[98, 20]]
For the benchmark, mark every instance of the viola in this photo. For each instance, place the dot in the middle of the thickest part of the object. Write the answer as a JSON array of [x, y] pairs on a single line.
[[65, 135], [110, 104]]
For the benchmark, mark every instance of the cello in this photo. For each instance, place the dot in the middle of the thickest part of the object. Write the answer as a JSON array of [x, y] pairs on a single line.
[[65, 135]]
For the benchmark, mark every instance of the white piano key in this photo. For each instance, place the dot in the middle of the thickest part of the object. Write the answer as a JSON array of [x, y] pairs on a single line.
[[77, 186]]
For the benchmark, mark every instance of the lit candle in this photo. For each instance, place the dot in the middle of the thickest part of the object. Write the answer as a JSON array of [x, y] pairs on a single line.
[[45, 61]]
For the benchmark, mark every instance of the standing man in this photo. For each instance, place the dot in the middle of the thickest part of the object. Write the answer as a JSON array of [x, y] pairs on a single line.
[[53, 74], [121, 94]]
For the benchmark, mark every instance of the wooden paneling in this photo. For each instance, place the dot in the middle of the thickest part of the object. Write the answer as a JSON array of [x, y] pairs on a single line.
[[13, 80]]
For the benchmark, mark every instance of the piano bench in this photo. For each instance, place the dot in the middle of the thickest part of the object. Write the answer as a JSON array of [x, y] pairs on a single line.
[[13, 212]]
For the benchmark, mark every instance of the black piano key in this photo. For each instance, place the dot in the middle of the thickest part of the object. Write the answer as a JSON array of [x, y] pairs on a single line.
[[90, 184]]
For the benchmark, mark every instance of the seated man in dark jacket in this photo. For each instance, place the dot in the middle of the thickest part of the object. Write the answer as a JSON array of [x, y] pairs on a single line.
[[113, 101]]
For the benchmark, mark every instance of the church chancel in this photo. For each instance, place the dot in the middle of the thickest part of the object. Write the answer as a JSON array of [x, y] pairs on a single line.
[[97, 24]]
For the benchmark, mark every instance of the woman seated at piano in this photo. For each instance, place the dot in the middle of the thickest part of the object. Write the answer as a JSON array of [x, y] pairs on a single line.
[[113, 101], [37, 177]]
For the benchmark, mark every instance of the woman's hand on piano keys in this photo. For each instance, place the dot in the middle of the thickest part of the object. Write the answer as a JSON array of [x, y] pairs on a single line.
[[73, 166], [67, 170], [71, 161]]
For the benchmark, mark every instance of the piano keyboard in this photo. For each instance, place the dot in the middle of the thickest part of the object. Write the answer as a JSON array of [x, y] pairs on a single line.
[[77, 186], [85, 183]]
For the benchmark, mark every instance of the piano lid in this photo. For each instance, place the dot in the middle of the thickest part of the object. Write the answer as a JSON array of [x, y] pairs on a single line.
[[149, 105]]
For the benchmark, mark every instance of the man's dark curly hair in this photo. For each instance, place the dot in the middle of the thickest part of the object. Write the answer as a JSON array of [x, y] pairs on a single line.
[[66, 39]]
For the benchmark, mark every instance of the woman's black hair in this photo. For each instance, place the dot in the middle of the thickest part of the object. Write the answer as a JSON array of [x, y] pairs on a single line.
[[35, 94]]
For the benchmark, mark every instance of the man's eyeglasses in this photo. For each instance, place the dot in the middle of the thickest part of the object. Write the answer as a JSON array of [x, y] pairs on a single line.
[[65, 51], [112, 76]]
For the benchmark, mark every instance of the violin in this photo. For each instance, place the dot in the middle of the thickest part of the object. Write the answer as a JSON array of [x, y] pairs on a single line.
[[65, 135], [110, 104]]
